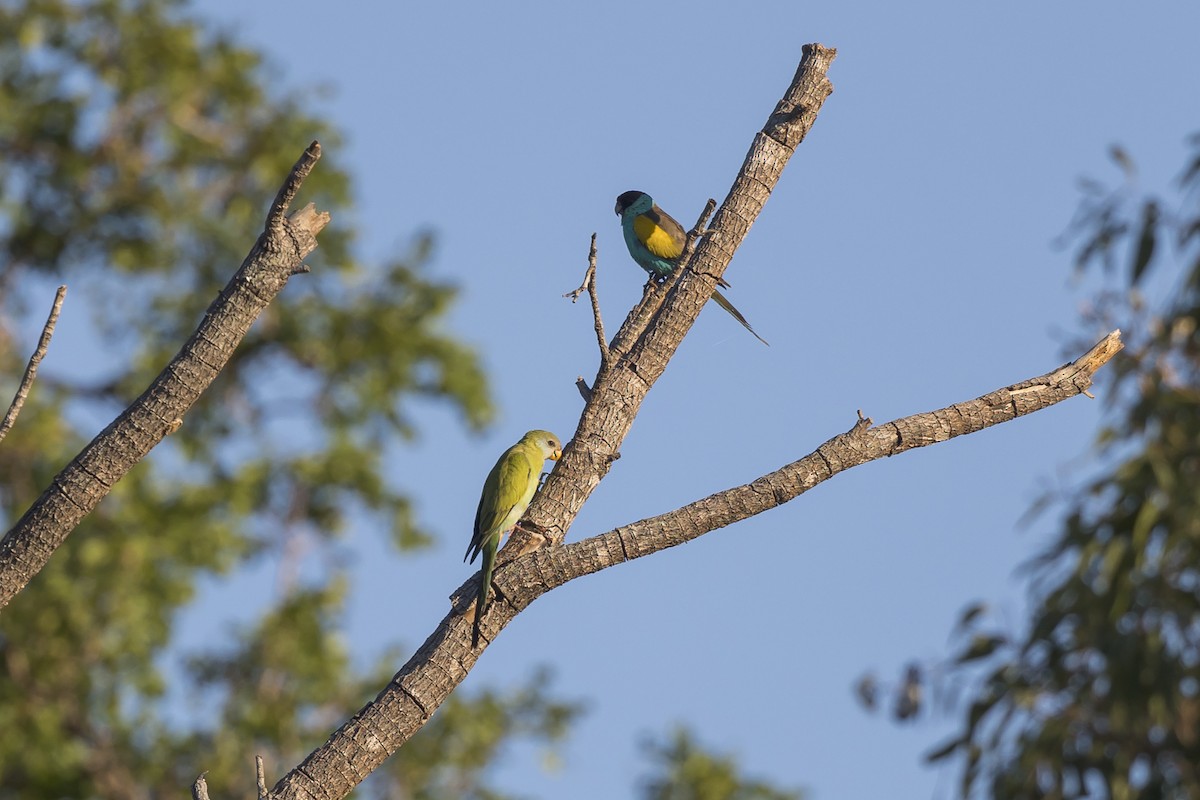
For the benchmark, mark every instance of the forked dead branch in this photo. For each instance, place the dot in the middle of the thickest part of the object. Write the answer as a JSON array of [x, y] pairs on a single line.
[[530, 565], [629, 366]]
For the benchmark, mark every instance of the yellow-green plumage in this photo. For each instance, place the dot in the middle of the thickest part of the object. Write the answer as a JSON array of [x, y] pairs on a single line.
[[509, 488]]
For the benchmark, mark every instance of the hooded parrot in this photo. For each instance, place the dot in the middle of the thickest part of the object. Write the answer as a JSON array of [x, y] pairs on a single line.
[[506, 494], [656, 240]]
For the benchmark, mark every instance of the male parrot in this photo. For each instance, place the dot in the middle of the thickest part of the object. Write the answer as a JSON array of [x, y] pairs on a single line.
[[656, 240], [506, 494]]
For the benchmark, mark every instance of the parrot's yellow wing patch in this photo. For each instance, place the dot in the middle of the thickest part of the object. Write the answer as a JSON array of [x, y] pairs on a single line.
[[657, 239]]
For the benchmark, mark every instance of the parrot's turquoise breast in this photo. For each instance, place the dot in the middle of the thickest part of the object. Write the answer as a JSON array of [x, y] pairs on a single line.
[[641, 234]]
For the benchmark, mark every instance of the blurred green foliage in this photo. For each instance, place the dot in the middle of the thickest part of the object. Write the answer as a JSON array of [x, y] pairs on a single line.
[[1099, 696], [685, 771]]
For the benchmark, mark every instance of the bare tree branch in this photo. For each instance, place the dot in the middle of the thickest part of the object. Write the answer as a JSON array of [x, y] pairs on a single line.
[[698, 230], [31, 369], [638, 355], [446, 657], [525, 580], [276, 256]]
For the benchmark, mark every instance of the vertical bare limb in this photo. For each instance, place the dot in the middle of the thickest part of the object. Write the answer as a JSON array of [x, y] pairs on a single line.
[[31, 370]]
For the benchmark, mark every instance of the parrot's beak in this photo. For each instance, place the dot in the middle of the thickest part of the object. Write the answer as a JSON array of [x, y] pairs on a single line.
[[556, 455]]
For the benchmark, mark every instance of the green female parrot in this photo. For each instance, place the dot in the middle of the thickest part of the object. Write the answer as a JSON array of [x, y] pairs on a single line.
[[506, 494], [656, 240]]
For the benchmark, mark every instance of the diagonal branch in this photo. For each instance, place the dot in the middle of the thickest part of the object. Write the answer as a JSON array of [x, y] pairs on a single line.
[[276, 256], [444, 660], [34, 360], [530, 578]]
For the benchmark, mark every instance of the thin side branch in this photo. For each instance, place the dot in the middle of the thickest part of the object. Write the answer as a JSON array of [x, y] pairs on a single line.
[[276, 256], [31, 369], [700, 228], [589, 286]]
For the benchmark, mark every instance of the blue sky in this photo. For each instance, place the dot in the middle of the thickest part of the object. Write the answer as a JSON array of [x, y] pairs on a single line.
[[904, 262]]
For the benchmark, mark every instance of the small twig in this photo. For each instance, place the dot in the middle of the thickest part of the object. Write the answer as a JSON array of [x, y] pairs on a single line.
[[699, 230], [585, 391], [589, 286], [601, 339], [200, 788], [262, 778], [31, 370], [588, 277]]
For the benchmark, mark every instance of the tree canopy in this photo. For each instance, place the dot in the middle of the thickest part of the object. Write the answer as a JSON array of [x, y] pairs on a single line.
[[1099, 694]]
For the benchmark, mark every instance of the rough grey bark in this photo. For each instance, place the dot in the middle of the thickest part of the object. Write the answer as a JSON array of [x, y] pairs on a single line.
[[276, 256]]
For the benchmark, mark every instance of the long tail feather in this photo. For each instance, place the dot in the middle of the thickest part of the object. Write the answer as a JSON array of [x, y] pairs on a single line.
[[733, 312], [485, 581]]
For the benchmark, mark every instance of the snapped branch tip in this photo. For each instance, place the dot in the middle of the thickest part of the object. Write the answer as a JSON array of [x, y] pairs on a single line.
[[291, 185], [31, 368], [200, 787], [261, 776]]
